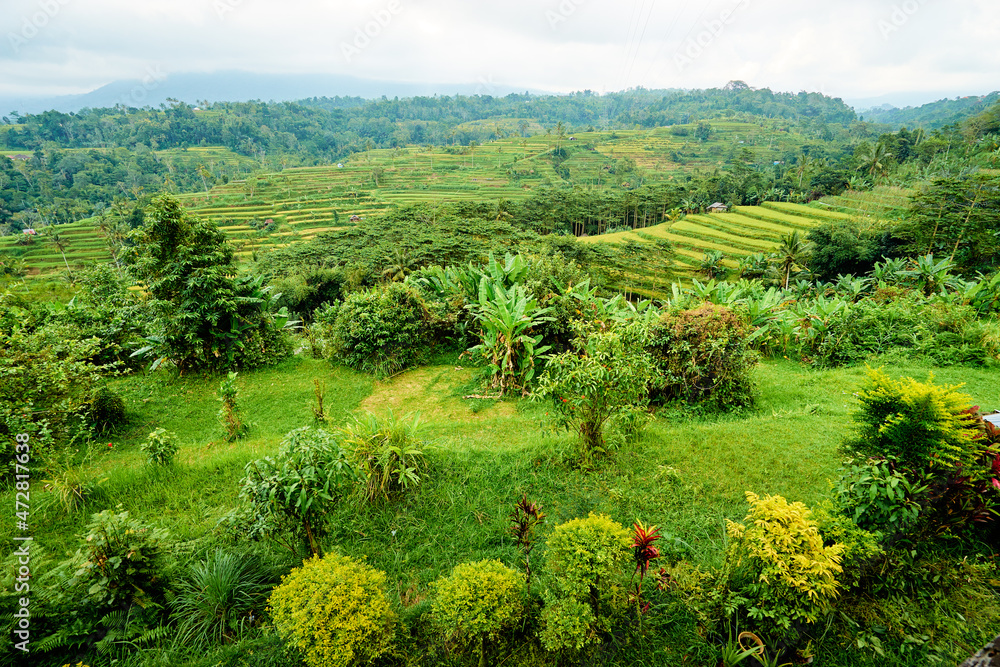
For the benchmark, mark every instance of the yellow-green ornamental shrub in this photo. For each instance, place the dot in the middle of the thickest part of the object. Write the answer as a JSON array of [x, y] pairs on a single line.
[[567, 624], [585, 556], [335, 611], [919, 425], [780, 566], [478, 601], [584, 561]]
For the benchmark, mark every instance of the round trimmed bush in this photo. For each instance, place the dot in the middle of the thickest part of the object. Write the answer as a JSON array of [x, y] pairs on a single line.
[[585, 560], [585, 556], [335, 611], [107, 410], [703, 357], [478, 601], [379, 331]]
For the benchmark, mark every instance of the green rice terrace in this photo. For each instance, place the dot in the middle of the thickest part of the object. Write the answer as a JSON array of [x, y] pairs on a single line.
[[743, 231], [266, 210]]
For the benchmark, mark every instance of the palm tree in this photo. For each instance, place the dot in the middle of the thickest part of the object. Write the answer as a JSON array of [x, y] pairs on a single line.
[[875, 158], [502, 209], [804, 163], [792, 253], [399, 265], [61, 244]]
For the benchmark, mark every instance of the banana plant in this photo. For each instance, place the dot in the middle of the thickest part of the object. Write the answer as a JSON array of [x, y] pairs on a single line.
[[851, 287], [507, 315], [930, 276], [984, 295], [890, 271]]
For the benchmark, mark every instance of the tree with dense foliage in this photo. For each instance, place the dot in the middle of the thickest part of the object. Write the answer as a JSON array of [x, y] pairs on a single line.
[[606, 374], [957, 217], [207, 317]]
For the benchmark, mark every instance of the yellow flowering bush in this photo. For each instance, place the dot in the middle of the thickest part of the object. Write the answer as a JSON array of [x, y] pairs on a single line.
[[335, 611], [478, 601]]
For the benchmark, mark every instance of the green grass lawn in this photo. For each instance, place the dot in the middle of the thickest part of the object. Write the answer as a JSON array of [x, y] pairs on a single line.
[[687, 473]]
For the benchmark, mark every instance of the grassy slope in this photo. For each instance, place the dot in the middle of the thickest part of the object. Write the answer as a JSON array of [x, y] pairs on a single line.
[[687, 475]]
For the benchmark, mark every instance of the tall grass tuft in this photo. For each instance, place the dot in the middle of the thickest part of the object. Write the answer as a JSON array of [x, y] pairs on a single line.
[[220, 597], [387, 453]]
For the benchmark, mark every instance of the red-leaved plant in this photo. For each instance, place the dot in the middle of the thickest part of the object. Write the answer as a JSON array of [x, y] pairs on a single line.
[[524, 519], [644, 552]]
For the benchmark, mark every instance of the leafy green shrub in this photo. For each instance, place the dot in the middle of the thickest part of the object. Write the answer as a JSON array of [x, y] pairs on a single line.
[[878, 497], [931, 469], [107, 410], [387, 454], [918, 425], [107, 310], [477, 602], [567, 624], [607, 376], [779, 566], [159, 447], [861, 548], [378, 331], [216, 599], [206, 318], [288, 493], [121, 564], [48, 378], [584, 561], [335, 611], [703, 356], [905, 325], [229, 414]]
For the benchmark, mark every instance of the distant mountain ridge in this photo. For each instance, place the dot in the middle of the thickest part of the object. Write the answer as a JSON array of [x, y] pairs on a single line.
[[932, 115], [157, 87]]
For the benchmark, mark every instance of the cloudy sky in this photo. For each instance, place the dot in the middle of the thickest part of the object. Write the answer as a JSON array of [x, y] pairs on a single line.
[[846, 48]]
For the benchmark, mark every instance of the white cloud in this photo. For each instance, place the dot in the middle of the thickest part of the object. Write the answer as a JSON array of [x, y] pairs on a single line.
[[848, 48]]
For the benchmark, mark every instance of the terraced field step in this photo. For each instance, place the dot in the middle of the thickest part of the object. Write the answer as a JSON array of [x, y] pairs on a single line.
[[731, 228], [789, 221], [805, 211], [743, 225], [699, 233]]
